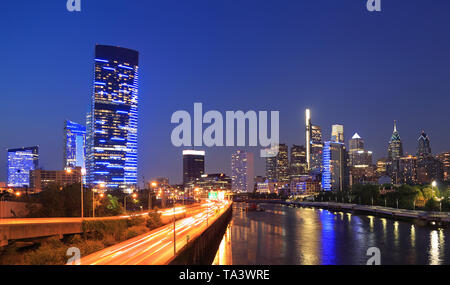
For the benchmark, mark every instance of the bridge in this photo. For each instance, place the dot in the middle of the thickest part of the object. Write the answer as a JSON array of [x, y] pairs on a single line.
[[29, 229]]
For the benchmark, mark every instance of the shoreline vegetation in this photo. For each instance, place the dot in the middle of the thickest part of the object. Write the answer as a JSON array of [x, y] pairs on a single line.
[[96, 235]]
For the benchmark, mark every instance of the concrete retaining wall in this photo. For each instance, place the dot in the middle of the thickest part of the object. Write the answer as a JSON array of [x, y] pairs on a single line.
[[202, 250]]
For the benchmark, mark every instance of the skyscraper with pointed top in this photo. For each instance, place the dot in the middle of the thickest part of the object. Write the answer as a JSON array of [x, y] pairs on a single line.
[[395, 148], [423, 146]]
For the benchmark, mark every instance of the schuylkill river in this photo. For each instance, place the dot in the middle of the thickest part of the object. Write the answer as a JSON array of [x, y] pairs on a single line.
[[288, 236]]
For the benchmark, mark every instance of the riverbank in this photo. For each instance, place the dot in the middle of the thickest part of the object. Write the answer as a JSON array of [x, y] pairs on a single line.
[[424, 218], [420, 217]]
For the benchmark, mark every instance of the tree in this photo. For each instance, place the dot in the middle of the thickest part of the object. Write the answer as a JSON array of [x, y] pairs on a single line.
[[110, 206]]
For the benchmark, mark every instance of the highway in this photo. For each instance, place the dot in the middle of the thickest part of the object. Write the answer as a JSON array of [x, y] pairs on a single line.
[[25, 221], [156, 247]]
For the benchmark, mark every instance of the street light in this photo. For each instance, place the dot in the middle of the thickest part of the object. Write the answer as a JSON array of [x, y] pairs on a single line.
[[153, 186], [102, 186], [174, 229]]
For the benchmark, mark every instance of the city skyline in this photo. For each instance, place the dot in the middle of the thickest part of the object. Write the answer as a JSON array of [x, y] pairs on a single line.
[[169, 83]]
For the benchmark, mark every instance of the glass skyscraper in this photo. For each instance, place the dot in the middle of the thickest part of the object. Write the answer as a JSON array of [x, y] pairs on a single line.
[[112, 123], [74, 145], [335, 175], [20, 162]]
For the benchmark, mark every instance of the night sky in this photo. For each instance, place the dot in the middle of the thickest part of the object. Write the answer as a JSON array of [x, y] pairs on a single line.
[[363, 70]]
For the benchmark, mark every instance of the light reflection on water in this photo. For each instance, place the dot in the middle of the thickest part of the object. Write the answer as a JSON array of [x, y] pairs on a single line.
[[283, 235]]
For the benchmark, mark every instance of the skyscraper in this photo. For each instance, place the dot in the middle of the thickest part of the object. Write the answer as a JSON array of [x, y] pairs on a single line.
[[283, 164], [193, 165], [308, 138], [74, 145], [407, 170], [298, 161], [395, 148], [316, 149], [271, 163], [277, 167], [242, 172], [358, 156], [111, 151], [423, 146], [337, 133], [20, 162], [335, 176]]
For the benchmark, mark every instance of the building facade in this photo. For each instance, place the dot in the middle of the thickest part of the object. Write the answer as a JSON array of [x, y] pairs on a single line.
[[242, 172], [277, 166], [193, 166], [407, 170], [304, 185], [335, 175], [20, 162], [423, 146], [40, 179], [337, 133], [298, 164], [316, 149], [444, 158], [74, 145], [314, 144], [112, 124]]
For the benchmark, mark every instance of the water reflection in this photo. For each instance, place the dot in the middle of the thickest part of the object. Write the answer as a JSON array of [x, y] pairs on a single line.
[[283, 235]]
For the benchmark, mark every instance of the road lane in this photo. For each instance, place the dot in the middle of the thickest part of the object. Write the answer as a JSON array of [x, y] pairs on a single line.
[[156, 247]]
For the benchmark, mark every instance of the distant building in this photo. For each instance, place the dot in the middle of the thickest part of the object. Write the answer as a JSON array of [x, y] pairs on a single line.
[[366, 174], [395, 147], [304, 185], [429, 169], [40, 179], [215, 182], [193, 165], [383, 165], [298, 165], [267, 187], [444, 158], [242, 172], [271, 164], [74, 145], [20, 162], [314, 145], [358, 156], [335, 176], [423, 146], [277, 167], [282, 164], [337, 133], [316, 149], [407, 173]]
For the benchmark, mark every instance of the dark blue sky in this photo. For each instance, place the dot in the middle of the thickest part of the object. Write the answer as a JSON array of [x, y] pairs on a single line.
[[352, 67]]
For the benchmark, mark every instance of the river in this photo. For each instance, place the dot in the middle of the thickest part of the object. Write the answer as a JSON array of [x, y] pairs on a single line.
[[283, 235]]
